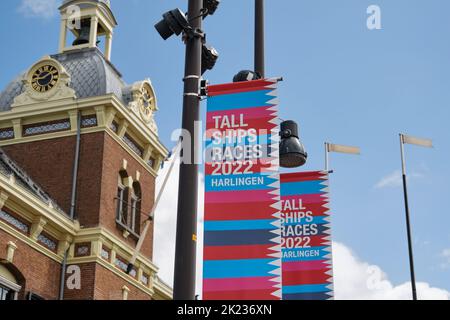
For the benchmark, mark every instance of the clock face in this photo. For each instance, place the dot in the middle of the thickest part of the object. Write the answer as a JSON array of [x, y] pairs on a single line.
[[44, 78], [146, 103]]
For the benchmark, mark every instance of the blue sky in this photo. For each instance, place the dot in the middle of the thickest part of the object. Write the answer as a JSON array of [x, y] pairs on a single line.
[[342, 82]]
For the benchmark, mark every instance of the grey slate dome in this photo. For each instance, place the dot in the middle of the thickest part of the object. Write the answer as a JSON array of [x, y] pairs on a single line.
[[91, 75], [107, 2], [15, 88]]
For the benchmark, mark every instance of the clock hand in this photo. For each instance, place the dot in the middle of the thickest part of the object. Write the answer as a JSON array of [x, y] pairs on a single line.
[[43, 77]]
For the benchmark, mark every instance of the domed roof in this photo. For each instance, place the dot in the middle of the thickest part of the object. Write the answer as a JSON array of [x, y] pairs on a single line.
[[107, 2], [91, 75], [15, 88]]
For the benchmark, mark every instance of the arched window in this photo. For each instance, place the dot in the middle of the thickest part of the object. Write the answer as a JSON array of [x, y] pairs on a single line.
[[122, 199], [9, 286], [136, 198]]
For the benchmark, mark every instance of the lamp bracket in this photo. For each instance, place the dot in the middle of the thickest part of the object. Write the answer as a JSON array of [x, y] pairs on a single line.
[[190, 33]]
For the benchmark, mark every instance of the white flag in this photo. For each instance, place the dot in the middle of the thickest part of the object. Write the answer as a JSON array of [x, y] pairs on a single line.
[[343, 149], [417, 141]]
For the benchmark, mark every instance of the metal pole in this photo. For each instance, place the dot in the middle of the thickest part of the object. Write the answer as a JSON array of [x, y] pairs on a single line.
[[72, 203], [327, 157], [408, 224], [259, 38], [186, 235], [75, 168]]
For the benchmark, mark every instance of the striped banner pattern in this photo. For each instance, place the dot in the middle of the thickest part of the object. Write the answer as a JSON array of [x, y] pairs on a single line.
[[306, 237], [242, 242]]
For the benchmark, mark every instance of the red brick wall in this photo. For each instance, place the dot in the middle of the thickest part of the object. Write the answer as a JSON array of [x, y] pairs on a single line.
[[50, 164], [112, 163], [108, 286], [40, 272], [86, 291]]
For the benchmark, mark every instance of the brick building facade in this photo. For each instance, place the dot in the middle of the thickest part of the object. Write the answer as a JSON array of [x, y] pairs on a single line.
[[78, 162]]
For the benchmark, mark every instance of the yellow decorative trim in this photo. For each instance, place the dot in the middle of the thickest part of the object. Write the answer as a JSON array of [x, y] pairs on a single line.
[[132, 281], [110, 115], [128, 182], [111, 103], [17, 125], [123, 126], [11, 248], [35, 207], [138, 176], [115, 244], [36, 228], [125, 292], [73, 116], [28, 241], [64, 245], [162, 290], [148, 150], [3, 197], [101, 116], [124, 165], [48, 136], [64, 134]]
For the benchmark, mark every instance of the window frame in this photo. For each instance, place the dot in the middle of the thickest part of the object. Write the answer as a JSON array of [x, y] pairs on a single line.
[[134, 209], [122, 203], [128, 206], [12, 288]]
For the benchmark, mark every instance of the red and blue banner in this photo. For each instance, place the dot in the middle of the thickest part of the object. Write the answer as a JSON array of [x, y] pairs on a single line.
[[242, 242], [307, 271]]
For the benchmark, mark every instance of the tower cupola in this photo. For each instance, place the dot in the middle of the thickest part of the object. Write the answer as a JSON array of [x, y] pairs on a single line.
[[87, 21]]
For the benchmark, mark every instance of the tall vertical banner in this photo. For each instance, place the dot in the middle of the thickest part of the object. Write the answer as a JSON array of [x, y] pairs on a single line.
[[306, 237], [242, 241]]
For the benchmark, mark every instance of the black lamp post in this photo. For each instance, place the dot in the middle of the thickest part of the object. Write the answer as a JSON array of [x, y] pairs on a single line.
[[259, 38], [292, 151], [199, 58]]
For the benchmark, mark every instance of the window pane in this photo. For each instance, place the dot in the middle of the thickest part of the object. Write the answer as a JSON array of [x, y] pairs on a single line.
[[6, 294], [119, 204], [125, 207], [137, 226], [133, 213]]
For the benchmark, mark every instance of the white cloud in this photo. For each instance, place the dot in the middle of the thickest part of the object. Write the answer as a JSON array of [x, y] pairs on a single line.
[[446, 256], [39, 8], [354, 279], [394, 179], [165, 227]]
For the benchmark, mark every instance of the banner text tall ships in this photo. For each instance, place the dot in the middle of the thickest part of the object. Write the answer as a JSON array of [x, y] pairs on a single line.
[[242, 244], [306, 231]]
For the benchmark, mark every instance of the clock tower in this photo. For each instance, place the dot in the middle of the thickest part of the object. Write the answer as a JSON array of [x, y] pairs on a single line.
[[79, 156]]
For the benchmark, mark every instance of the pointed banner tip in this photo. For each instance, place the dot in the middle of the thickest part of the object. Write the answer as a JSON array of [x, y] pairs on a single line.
[[276, 248], [276, 272], [276, 279], [276, 263], [277, 294]]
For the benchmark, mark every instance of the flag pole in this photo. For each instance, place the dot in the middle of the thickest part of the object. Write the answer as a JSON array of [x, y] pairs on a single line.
[[408, 224], [150, 219], [327, 157]]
